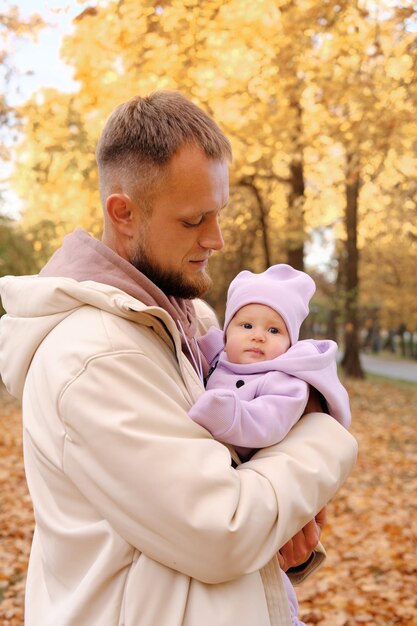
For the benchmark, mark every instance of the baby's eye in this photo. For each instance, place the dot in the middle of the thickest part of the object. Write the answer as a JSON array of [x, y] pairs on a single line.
[[273, 330], [247, 325]]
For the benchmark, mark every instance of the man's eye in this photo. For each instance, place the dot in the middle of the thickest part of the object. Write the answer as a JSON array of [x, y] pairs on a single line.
[[247, 325], [193, 224], [274, 331]]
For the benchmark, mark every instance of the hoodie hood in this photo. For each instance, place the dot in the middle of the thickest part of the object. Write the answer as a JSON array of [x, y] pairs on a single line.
[[83, 271], [36, 305], [83, 257]]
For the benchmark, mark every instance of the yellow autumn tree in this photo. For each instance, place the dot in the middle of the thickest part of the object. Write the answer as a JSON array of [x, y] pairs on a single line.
[[240, 60], [12, 28], [312, 94], [368, 96], [16, 254]]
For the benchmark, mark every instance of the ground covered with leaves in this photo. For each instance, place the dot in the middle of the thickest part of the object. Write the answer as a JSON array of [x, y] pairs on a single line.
[[370, 575]]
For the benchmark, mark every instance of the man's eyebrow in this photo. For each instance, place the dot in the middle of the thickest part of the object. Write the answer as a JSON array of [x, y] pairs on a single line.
[[192, 212]]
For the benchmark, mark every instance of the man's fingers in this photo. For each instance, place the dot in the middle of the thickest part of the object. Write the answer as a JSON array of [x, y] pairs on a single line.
[[301, 551], [304, 543], [287, 555], [299, 548], [311, 533]]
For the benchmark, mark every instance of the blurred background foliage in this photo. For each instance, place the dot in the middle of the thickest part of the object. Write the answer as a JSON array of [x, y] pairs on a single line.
[[318, 98]]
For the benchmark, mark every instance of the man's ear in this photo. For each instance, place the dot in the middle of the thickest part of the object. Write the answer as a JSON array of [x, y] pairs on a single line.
[[120, 210]]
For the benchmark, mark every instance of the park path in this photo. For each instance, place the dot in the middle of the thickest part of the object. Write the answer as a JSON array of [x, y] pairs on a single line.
[[391, 368]]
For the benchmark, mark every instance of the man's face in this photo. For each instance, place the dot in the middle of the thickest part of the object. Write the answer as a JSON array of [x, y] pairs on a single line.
[[176, 238], [256, 333]]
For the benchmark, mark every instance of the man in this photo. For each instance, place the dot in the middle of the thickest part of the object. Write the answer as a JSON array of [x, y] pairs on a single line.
[[142, 518]]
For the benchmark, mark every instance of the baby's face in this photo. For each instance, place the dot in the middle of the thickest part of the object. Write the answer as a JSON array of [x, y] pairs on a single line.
[[256, 333]]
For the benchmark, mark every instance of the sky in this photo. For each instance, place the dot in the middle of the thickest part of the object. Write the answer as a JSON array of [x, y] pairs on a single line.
[[38, 62]]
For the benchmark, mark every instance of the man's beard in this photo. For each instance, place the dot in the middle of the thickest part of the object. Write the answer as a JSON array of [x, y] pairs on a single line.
[[171, 283]]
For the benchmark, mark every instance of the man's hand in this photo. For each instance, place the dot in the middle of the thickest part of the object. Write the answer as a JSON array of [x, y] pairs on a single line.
[[298, 549]]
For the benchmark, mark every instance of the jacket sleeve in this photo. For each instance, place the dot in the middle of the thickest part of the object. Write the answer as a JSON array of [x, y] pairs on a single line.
[[256, 423], [169, 489]]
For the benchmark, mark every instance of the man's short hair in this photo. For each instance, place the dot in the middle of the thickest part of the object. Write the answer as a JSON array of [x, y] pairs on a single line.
[[142, 135]]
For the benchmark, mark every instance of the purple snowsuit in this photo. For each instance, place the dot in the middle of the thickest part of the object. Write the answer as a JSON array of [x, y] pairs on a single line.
[[254, 405]]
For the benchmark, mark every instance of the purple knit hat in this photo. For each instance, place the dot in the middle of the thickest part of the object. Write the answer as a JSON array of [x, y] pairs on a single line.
[[281, 287]]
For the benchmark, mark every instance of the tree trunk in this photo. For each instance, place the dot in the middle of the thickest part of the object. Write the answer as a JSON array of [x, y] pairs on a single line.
[[295, 213], [295, 217], [332, 325], [335, 313], [401, 332], [248, 182], [413, 345], [351, 361]]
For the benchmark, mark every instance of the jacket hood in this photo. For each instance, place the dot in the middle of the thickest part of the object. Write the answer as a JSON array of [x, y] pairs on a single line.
[[83, 271], [35, 305], [85, 258]]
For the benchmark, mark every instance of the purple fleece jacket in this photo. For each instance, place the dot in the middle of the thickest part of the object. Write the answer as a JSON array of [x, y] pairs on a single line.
[[255, 405]]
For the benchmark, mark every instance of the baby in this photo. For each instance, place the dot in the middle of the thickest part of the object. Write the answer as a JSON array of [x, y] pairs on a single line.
[[260, 376]]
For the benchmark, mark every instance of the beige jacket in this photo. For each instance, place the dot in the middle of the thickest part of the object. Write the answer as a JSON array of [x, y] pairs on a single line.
[[141, 518]]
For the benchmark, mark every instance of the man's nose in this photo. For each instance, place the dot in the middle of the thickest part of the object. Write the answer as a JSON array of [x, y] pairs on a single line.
[[212, 238]]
